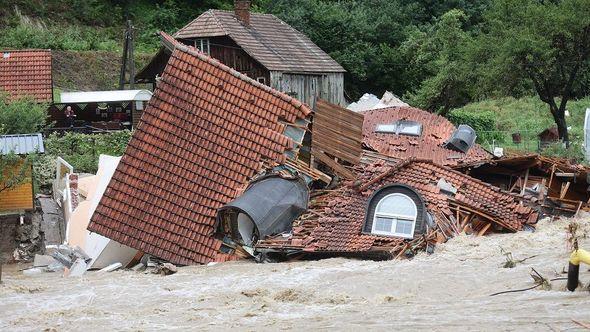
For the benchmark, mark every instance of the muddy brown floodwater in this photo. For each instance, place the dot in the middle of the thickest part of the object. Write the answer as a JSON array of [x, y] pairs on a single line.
[[446, 291]]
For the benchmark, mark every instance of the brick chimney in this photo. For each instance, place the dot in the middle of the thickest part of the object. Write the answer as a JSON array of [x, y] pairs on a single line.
[[242, 10]]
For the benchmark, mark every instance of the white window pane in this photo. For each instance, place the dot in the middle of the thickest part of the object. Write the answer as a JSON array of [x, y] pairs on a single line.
[[383, 224], [404, 227], [385, 128], [397, 204], [404, 127]]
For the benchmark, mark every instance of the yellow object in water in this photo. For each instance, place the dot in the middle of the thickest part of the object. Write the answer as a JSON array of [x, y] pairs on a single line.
[[580, 255]]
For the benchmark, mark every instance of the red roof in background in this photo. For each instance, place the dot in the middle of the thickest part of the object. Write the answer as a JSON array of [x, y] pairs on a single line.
[[435, 131], [340, 214], [26, 73], [206, 131]]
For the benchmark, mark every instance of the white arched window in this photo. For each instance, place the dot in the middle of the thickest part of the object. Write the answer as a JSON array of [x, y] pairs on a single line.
[[395, 215]]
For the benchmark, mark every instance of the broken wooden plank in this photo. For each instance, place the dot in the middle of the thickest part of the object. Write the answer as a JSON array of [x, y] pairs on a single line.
[[339, 169], [564, 189], [526, 179], [484, 229]]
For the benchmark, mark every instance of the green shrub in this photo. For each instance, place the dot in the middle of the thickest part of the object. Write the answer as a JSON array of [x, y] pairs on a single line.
[[44, 171], [483, 122], [575, 153], [22, 116], [82, 150]]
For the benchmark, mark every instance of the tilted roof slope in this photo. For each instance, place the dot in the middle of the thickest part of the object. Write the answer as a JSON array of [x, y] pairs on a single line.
[[435, 131], [270, 41], [206, 131], [26, 73]]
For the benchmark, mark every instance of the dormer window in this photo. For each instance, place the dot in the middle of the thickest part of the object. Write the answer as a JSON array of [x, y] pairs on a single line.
[[401, 127], [395, 215], [395, 210]]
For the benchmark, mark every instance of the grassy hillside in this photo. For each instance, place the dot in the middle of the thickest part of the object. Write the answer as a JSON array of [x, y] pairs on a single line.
[[91, 25], [529, 116]]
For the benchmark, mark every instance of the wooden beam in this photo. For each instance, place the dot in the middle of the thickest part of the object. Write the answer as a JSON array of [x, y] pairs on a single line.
[[565, 175], [564, 189], [484, 229], [578, 210], [339, 169], [551, 177], [526, 179]]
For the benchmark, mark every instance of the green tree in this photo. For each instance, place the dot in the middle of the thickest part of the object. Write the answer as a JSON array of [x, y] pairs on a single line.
[[22, 116], [545, 44], [15, 170], [439, 55]]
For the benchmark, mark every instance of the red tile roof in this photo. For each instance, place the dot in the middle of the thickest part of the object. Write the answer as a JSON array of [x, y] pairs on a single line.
[[338, 217], [435, 131], [206, 131], [26, 73]]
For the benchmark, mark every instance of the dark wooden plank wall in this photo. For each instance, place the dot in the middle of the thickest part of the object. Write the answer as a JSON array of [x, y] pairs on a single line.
[[337, 131]]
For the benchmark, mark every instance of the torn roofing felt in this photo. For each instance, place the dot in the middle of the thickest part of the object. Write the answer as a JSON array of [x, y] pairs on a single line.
[[271, 204], [336, 220], [436, 130], [206, 131]]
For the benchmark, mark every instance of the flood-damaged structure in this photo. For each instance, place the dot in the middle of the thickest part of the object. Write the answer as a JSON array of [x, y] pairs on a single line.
[[206, 132], [223, 167]]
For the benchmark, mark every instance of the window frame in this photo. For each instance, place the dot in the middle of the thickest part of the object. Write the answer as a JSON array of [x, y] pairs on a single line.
[[395, 218], [200, 44], [397, 128]]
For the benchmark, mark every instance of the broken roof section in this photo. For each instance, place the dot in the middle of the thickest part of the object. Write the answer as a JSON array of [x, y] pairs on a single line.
[[205, 133], [337, 218], [425, 143], [26, 73]]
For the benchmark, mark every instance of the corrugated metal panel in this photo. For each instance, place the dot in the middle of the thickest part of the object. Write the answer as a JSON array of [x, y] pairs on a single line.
[[21, 144]]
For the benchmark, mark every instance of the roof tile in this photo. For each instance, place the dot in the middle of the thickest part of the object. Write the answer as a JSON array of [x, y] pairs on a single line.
[[186, 159], [26, 73]]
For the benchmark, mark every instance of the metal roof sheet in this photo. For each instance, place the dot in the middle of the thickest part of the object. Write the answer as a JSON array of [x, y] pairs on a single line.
[[21, 144], [105, 96]]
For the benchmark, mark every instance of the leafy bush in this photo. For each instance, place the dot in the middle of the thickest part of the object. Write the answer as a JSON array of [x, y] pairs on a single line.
[[82, 150], [484, 123], [574, 153], [22, 116], [44, 171]]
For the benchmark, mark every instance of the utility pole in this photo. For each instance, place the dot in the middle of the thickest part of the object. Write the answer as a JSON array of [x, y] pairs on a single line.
[[128, 60]]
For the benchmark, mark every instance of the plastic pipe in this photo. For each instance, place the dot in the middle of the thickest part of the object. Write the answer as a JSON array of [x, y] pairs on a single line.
[[573, 272]]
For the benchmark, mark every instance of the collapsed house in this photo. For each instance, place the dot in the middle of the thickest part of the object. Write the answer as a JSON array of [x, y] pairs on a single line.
[[399, 208], [408, 132], [401, 197], [559, 186], [222, 167], [206, 132]]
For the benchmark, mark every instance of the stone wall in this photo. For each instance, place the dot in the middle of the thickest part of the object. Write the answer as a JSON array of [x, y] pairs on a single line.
[[8, 236]]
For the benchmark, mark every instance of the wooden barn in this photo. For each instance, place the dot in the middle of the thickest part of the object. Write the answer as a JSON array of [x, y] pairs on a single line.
[[262, 47]]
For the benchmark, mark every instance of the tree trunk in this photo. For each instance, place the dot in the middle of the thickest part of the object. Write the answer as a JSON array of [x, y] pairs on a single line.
[[559, 118]]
